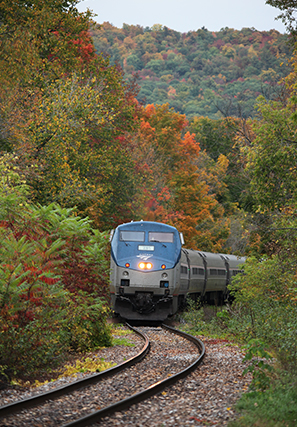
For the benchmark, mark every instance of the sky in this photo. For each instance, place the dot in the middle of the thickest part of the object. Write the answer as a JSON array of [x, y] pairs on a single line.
[[186, 15]]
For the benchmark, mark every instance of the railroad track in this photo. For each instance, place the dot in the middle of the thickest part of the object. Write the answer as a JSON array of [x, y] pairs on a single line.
[[173, 355]]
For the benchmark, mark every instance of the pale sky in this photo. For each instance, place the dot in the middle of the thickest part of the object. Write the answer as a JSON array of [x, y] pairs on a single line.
[[186, 15]]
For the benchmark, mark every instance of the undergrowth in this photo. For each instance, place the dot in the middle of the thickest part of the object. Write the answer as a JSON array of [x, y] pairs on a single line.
[[80, 365], [274, 407], [272, 397], [198, 320]]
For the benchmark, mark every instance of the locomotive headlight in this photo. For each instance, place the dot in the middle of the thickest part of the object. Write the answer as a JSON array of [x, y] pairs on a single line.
[[125, 274], [164, 275], [145, 265]]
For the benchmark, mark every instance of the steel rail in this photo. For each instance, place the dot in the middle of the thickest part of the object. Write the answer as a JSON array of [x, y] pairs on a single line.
[[15, 407], [145, 394]]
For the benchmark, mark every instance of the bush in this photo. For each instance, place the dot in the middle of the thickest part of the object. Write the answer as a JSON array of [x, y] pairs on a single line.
[[53, 292], [87, 327], [265, 307]]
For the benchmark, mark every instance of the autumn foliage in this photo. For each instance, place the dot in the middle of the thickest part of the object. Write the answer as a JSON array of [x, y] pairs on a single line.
[[44, 252], [200, 72], [79, 154], [174, 189]]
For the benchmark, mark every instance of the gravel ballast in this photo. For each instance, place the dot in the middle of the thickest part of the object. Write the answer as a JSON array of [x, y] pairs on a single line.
[[206, 397]]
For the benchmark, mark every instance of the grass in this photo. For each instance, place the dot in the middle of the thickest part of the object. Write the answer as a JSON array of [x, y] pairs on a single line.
[[77, 362], [118, 330], [122, 341], [276, 407], [203, 321], [118, 336]]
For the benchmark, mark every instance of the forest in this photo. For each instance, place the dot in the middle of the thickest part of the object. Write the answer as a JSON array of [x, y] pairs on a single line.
[[212, 150], [199, 73]]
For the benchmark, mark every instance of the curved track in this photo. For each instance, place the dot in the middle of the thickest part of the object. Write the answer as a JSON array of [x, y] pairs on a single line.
[[106, 411], [15, 407]]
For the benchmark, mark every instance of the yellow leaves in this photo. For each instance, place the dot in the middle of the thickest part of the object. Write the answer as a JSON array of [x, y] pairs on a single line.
[[251, 52], [228, 50], [86, 365], [222, 163]]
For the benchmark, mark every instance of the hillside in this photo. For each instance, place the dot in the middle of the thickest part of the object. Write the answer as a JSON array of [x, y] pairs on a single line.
[[200, 72]]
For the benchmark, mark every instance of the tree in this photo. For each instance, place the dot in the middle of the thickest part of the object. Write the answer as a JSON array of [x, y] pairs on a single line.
[[65, 112], [49, 36], [271, 164], [272, 160], [288, 8], [74, 139], [174, 190], [231, 138]]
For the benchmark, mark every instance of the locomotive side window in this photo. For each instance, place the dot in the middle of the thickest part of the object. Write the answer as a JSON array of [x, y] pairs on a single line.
[[155, 236], [132, 236]]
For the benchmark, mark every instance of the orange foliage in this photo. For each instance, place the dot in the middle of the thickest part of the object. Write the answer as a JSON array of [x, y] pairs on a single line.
[[172, 189]]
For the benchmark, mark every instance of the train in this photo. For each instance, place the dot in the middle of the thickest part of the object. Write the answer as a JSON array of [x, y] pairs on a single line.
[[151, 274]]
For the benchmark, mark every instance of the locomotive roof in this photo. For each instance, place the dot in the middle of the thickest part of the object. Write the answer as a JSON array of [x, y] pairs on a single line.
[[147, 224]]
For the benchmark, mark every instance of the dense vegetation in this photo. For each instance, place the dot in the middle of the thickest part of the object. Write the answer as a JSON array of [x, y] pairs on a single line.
[[53, 280], [199, 73], [80, 154]]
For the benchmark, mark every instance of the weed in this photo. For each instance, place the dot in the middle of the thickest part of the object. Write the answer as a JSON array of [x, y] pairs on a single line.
[[258, 367], [86, 365], [122, 341], [276, 407]]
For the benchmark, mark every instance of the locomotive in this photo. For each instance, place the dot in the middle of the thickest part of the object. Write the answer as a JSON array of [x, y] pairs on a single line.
[[152, 274]]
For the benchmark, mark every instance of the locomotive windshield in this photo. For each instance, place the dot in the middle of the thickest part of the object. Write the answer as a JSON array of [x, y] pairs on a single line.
[[132, 236], [142, 240], [160, 237]]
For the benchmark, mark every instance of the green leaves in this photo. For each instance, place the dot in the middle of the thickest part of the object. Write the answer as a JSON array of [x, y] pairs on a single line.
[[45, 252], [64, 109], [272, 158], [259, 368]]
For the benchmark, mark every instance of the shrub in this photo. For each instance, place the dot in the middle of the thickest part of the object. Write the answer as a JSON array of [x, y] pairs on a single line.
[[53, 292], [265, 306]]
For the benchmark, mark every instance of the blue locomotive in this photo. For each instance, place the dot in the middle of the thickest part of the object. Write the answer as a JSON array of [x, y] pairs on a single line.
[[151, 274]]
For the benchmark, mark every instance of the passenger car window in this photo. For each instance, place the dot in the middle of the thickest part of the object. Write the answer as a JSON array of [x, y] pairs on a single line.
[[197, 271], [213, 272], [183, 269]]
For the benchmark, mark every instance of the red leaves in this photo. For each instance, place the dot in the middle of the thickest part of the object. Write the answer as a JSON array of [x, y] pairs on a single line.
[[84, 45], [48, 280], [4, 224]]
